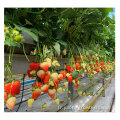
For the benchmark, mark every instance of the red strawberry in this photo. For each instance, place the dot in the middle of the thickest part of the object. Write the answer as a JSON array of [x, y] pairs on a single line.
[[35, 66], [45, 87], [68, 67], [77, 66], [37, 84], [72, 69], [76, 86], [18, 84], [44, 66], [51, 93], [7, 87], [69, 78], [10, 103], [5, 96], [41, 74], [63, 73], [76, 79], [15, 88], [46, 78], [88, 55], [36, 93], [89, 72], [55, 80], [60, 77]]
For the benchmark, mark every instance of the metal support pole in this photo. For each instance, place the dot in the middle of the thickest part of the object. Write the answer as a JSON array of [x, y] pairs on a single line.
[[70, 95], [103, 83]]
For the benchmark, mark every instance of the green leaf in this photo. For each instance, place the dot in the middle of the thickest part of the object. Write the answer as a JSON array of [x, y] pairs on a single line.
[[75, 74], [57, 48], [28, 22], [11, 43], [62, 42], [26, 30]]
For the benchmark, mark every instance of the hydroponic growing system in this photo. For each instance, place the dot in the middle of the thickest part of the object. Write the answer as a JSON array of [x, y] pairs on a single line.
[[59, 59]]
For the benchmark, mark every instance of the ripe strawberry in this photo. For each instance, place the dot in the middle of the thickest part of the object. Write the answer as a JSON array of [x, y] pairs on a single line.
[[10, 103], [76, 86], [37, 84], [88, 55], [41, 74], [18, 86], [51, 93], [77, 65], [47, 76], [7, 88], [45, 87], [89, 72], [5, 96], [72, 69], [70, 78], [68, 67], [57, 101], [76, 79], [54, 75], [44, 66], [35, 66], [59, 90], [63, 73], [36, 93], [55, 85], [30, 102], [13, 88], [55, 80], [60, 77], [66, 84]]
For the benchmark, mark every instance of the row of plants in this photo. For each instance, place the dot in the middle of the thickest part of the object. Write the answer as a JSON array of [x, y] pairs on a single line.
[[70, 33]]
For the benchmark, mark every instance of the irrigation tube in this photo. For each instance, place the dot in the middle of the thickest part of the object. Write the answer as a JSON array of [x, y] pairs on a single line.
[[22, 94]]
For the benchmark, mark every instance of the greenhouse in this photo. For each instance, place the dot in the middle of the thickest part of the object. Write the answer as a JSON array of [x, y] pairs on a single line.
[[59, 59]]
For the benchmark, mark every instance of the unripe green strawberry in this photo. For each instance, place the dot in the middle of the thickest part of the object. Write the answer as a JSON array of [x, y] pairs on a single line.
[[59, 90], [64, 89], [57, 101], [68, 98], [44, 105], [57, 64], [18, 38], [10, 103], [33, 72], [30, 102], [79, 93], [64, 52], [84, 93], [73, 81], [51, 83]]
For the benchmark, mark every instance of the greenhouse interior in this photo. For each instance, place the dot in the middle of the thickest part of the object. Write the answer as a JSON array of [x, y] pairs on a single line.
[[59, 59]]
